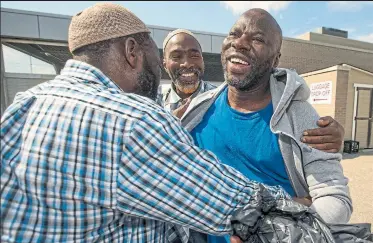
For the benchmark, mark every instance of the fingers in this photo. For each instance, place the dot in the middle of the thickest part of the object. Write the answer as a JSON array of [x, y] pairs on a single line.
[[328, 139], [185, 106], [337, 127], [329, 122], [235, 239], [320, 131], [334, 147], [179, 112], [305, 201], [331, 150], [325, 121], [186, 101], [319, 139]]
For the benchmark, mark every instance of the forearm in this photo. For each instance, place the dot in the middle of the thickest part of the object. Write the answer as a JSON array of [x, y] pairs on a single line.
[[199, 193], [332, 210], [323, 172], [167, 178], [328, 188]]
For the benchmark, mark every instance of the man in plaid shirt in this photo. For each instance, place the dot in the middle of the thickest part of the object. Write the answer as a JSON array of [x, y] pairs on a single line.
[[91, 157]]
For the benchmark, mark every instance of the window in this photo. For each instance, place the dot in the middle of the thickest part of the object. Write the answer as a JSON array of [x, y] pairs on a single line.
[[18, 62]]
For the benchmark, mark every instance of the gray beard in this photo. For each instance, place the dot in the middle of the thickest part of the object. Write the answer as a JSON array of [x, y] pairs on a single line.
[[252, 80], [186, 88]]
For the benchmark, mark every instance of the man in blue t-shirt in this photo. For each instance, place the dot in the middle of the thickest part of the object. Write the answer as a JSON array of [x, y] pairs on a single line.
[[243, 141], [254, 122]]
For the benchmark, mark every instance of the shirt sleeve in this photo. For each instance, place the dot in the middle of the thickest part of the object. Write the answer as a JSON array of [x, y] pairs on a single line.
[[323, 172], [164, 176]]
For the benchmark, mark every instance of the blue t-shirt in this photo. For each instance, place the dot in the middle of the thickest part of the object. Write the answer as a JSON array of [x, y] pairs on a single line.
[[243, 141]]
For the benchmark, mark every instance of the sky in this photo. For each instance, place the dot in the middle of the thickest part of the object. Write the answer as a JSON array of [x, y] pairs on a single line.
[[295, 18]]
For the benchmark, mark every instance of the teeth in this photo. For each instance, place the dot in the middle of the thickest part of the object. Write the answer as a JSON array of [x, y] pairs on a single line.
[[187, 74], [238, 61]]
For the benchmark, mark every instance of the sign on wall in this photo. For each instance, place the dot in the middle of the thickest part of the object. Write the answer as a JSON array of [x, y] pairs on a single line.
[[321, 93]]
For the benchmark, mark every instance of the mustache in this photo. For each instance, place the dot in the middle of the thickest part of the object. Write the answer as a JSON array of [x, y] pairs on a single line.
[[249, 56], [180, 71]]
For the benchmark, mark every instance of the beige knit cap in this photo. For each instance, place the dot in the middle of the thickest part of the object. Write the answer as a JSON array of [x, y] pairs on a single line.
[[175, 32], [103, 21]]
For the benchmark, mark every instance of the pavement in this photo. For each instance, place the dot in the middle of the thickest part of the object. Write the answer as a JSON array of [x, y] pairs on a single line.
[[359, 169]]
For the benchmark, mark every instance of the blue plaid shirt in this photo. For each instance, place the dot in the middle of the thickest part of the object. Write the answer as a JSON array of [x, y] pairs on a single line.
[[81, 161]]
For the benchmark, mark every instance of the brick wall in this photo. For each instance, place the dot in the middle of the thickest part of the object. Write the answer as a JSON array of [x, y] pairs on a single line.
[[306, 57], [341, 96]]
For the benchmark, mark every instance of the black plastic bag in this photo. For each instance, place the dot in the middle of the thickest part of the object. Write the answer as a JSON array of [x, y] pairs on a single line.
[[287, 221]]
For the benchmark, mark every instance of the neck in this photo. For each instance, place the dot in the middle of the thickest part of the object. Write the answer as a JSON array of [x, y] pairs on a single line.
[[109, 71], [92, 61], [251, 100]]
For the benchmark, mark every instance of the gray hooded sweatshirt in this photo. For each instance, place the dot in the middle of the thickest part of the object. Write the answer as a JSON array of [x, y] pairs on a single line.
[[311, 172]]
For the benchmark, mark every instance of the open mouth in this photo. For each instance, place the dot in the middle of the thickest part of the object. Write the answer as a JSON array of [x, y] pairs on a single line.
[[236, 60], [188, 77], [187, 74], [237, 65]]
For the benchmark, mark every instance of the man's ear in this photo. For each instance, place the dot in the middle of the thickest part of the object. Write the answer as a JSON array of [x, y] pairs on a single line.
[[132, 52], [277, 60], [164, 64]]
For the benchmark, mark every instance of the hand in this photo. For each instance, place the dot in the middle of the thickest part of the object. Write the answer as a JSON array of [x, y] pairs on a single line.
[[179, 112], [235, 239], [328, 138], [307, 201]]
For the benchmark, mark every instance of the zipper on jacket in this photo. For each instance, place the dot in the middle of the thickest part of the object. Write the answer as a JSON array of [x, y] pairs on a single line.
[[286, 166]]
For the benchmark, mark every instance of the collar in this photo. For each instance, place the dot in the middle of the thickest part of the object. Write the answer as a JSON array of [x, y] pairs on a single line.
[[88, 73]]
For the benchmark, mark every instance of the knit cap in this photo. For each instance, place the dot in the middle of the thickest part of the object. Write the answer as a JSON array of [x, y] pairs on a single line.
[[103, 21], [175, 32]]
